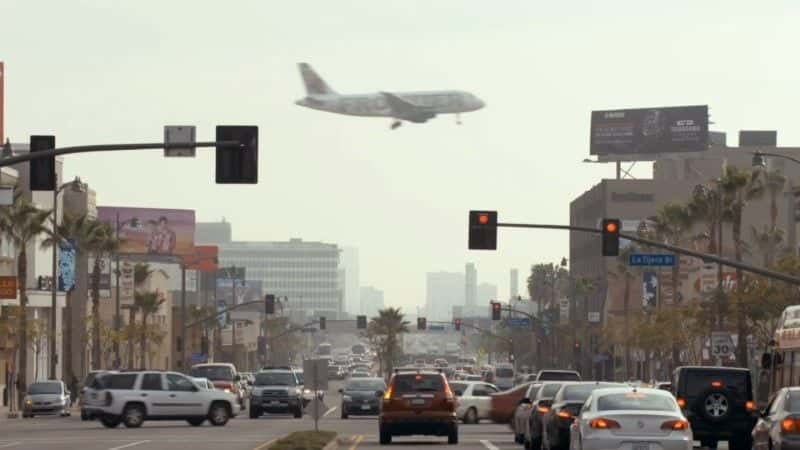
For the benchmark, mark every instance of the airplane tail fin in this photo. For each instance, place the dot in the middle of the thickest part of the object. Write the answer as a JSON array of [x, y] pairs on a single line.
[[315, 85]]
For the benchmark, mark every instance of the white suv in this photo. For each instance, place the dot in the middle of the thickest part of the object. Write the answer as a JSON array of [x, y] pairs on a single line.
[[133, 397]]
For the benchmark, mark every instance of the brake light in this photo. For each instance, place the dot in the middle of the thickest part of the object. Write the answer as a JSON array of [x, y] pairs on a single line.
[[790, 425], [564, 414], [604, 424], [543, 409], [388, 394], [681, 402], [675, 425], [750, 405], [716, 384]]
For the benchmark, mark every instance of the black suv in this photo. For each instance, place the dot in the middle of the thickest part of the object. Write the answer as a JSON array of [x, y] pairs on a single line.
[[718, 401]]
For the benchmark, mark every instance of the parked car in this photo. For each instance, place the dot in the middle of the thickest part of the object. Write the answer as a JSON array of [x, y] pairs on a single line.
[[132, 398], [558, 375], [540, 406], [90, 382], [474, 401], [361, 396], [779, 424], [718, 401], [224, 377], [522, 414], [418, 402], [46, 398], [276, 391], [505, 403], [566, 406], [632, 418]]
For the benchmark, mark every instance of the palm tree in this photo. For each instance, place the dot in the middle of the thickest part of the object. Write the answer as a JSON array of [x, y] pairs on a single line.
[[22, 222], [102, 243], [386, 327], [768, 242], [774, 182], [706, 206], [147, 303], [738, 188]]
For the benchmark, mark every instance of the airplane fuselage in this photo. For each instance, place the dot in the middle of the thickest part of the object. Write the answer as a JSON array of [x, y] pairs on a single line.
[[377, 105]]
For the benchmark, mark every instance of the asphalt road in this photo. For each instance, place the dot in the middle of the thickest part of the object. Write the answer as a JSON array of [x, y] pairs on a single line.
[[241, 433]]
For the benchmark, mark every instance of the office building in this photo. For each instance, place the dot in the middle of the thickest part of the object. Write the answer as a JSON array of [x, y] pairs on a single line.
[[213, 232], [371, 301], [471, 286], [486, 293], [348, 261], [513, 288], [443, 290]]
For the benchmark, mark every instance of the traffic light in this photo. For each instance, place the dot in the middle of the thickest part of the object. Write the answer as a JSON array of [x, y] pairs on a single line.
[[322, 323], [483, 230], [237, 165], [611, 228], [269, 304], [361, 322], [422, 323], [496, 309], [42, 175], [457, 324]]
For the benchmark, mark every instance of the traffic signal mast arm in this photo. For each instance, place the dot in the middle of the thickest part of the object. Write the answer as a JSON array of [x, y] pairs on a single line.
[[223, 311], [484, 331], [11, 160], [680, 250]]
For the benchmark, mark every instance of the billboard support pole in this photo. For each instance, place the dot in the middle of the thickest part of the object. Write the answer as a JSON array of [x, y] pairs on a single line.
[[619, 169]]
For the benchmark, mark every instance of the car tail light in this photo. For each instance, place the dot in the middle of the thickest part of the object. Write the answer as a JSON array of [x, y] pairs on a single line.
[[681, 402], [750, 405], [388, 394], [564, 414], [543, 409], [604, 424], [716, 384], [109, 398], [790, 425], [675, 425]]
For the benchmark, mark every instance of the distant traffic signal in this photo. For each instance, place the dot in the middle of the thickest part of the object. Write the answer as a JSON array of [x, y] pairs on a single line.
[[611, 229], [237, 165], [457, 324], [483, 230], [42, 175], [361, 322], [496, 309], [422, 323], [322, 324], [269, 304]]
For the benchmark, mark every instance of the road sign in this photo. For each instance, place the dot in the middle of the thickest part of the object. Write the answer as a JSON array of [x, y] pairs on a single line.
[[315, 377], [179, 134], [640, 259], [519, 322], [721, 344], [435, 327]]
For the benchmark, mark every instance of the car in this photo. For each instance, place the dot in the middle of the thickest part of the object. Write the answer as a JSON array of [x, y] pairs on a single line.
[[718, 401], [540, 405], [131, 398], [418, 402], [631, 418], [224, 376], [504, 403], [88, 384], [361, 396], [565, 407], [558, 375], [203, 383], [522, 413], [48, 397], [779, 424], [474, 401], [473, 378], [504, 375], [664, 386], [360, 374], [276, 391]]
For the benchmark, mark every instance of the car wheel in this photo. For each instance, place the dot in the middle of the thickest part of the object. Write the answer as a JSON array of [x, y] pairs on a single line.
[[110, 422], [133, 416], [452, 436], [471, 416], [255, 413], [219, 415], [196, 421], [385, 437]]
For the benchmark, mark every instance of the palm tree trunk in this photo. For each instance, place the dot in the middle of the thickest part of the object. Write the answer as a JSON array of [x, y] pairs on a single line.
[[96, 350], [22, 369], [676, 349], [66, 359], [626, 306], [741, 314], [131, 328], [773, 209], [143, 341]]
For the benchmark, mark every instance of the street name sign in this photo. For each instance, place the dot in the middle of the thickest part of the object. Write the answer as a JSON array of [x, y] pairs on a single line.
[[519, 322], [641, 259]]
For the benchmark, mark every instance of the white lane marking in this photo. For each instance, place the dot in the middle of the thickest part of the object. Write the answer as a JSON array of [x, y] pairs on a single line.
[[10, 444], [129, 445], [488, 445], [333, 408]]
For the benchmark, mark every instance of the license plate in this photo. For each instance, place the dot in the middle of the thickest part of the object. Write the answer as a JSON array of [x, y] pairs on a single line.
[[420, 401], [365, 407], [640, 446], [277, 403]]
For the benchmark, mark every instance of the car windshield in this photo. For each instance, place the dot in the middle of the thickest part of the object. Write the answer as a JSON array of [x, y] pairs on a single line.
[[44, 388], [580, 392], [549, 390], [365, 385], [275, 379], [636, 401], [532, 391], [213, 373], [699, 381], [793, 402], [504, 373], [404, 384]]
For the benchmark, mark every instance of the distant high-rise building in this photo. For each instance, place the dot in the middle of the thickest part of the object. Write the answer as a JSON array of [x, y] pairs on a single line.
[[443, 290], [371, 301], [348, 259], [486, 293], [471, 285], [212, 232], [514, 287]]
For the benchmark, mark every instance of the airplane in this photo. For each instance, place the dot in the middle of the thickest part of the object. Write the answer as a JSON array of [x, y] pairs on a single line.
[[416, 107]]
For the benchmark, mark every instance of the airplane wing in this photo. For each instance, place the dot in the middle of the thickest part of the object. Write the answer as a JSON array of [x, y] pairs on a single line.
[[403, 109]]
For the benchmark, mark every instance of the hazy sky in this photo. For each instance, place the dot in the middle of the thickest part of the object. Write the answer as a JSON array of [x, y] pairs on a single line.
[[103, 71]]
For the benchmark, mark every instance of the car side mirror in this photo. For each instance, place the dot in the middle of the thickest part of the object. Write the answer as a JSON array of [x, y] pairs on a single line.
[[379, 394]]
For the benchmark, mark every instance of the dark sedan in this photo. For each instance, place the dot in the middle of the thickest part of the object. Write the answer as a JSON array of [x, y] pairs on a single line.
[[779, 425], [361, 396], [566, 405], [541, 406]]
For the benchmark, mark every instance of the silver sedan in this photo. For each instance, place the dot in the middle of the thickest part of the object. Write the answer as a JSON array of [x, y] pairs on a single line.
[[631, 418], [779, 425]]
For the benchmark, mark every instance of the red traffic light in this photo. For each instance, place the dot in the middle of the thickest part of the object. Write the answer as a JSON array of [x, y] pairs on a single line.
[[483, 219], [612, 227]]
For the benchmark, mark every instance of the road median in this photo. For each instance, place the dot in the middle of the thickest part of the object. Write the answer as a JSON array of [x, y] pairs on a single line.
[[304, 440]]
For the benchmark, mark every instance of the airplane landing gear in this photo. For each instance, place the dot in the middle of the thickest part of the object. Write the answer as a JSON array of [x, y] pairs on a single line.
[[396, 124]]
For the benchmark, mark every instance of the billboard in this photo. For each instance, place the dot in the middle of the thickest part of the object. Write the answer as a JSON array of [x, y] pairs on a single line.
[[66, 265], [162, 232], [204, 258], [649, 131]]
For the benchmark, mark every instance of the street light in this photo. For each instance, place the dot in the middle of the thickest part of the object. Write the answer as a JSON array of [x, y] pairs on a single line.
[[77, 186]]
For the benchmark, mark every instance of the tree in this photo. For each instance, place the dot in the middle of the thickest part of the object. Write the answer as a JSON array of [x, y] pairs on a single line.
[[774, 182], [22, 222], [147, 303], [384, 332], [705, 207], [102, 243], [768, 242], [738, 188]]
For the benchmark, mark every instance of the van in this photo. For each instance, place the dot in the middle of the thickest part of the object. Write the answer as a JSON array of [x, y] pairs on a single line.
[[504, 376]]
